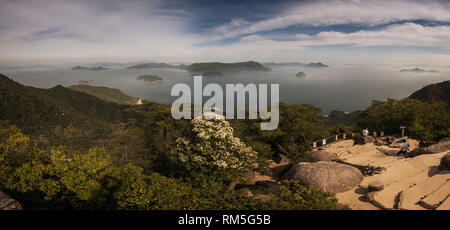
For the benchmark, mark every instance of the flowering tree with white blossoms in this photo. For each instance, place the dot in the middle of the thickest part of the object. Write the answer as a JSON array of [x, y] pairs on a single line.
[[214, 148]]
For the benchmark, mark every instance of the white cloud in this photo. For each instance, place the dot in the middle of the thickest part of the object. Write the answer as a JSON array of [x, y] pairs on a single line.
[[407, 34], [50, 32], [322, 13], [86, 30]]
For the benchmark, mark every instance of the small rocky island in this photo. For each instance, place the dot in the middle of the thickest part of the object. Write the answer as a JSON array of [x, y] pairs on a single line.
[[316, 65], [96, 68], [150, 78], [300, 75], [418, 70]]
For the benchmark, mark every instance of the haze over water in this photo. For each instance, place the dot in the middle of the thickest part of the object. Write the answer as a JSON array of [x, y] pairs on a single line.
[[345, 87]]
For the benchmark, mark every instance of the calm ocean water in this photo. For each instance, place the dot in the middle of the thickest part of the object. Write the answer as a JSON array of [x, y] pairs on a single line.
[[345, 87]]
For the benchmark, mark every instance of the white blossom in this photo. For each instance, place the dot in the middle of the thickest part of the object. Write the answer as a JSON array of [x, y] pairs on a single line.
[[214, 145]]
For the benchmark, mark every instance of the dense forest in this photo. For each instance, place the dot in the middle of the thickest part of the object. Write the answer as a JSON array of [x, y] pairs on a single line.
[[62, 148]]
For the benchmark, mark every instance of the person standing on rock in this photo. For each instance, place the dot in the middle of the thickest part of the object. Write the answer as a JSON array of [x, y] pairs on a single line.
[[405, 148], [365, 132]]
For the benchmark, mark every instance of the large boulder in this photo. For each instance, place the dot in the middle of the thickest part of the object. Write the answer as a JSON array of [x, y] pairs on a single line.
[[363, 140], [369, 139], [8, 203], [442, 146], [418, 151], [445, 162], [321, 155], [329, 176], [375, 186]]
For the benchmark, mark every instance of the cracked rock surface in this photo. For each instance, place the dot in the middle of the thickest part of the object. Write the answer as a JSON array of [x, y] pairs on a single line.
[[8, 203], [415, 183]]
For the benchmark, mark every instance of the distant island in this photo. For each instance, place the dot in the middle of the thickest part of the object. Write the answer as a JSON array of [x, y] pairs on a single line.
[[150, 78], [417, 70], [219, 69], [152, 65], [316, 65], [300, 75], [106, 94], [98, 68]]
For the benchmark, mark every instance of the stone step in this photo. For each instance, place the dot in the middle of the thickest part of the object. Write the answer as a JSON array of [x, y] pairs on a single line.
[[435, 199], [413, 195]]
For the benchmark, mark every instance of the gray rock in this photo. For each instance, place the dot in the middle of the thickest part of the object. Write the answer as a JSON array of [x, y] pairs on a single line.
[[369, 139], [316, 156], [8, 203], [441, 146], [445, 162], [363, 140], [375, 186], [329, 176], [418, 151]]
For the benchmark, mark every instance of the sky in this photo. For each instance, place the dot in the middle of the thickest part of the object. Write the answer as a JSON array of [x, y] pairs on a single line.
[[51, 32]]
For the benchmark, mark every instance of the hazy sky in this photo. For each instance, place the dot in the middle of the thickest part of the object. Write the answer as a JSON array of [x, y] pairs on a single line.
[[339, 32]]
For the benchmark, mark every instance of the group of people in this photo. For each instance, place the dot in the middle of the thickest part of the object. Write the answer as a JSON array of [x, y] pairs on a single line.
[[403, 150]]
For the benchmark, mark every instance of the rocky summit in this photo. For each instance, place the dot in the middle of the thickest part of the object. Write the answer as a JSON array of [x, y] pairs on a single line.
[[413, 183]]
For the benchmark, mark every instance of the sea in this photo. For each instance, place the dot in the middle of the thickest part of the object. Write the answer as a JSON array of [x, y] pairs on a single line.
[[339, 87]]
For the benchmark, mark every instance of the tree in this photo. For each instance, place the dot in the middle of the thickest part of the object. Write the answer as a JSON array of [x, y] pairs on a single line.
[[87, 180], [426, 122], [213, 152]]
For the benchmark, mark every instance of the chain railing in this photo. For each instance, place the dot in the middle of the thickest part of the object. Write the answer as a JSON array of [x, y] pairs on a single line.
[[340, 137]]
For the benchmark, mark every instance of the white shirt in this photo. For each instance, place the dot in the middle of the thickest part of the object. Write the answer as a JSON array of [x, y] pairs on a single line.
[[365, 132]]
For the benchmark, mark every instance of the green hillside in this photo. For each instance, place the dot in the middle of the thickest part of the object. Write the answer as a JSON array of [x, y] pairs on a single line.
[[439, 92], [106, 94], [57, 113]]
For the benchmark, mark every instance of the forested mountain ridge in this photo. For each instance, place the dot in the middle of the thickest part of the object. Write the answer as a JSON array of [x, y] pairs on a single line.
[[106, 94], [439, 92], [55, 114]]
